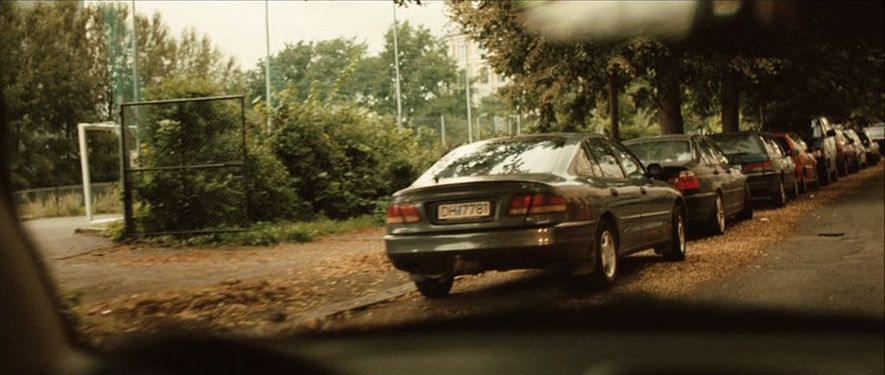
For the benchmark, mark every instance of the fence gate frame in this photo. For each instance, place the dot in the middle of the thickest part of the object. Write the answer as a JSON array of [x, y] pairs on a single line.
[[126, 168]]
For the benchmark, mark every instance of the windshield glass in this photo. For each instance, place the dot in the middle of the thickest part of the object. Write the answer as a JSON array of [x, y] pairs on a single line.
[[662, 151], [277, 168], [535, 155], [739, 144]]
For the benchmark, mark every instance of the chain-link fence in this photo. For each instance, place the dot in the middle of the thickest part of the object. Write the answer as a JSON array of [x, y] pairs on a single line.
[[184, 166], [451, 131], [66, 200]]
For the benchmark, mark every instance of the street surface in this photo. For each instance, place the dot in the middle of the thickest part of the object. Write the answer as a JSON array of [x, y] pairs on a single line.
[[822, 253], [834, 262]]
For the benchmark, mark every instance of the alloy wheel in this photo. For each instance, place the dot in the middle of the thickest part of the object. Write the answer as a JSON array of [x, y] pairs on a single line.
[[609, 254]]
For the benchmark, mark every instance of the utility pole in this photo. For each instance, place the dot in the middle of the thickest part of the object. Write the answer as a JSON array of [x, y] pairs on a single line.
[[399, 104], [267, 93], [442, 129], [135, 77], [467, 89]]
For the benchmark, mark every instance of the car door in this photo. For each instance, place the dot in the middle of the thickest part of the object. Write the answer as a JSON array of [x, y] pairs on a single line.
[[731, 183], [625, 199], [656, 204]]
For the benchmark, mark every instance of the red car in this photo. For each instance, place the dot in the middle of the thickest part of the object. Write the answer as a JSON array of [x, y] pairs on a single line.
[[806, 164]]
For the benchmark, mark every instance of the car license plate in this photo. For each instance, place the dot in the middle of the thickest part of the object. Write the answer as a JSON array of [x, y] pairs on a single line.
[[460, 211]]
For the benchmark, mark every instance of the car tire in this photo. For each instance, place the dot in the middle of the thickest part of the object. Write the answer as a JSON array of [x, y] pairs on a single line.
[[719, 222], [794, 192], [747, 211], [779, 196], [675, 248], [606, 255], [434, 287], [803, 185], [842, 169]]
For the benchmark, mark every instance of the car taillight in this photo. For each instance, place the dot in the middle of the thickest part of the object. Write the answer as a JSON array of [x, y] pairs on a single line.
[[758, 166], [403, 213], [522, 204], [685, 181]]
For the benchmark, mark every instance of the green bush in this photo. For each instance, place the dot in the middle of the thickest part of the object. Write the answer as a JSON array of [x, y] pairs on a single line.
[[205, 132], [343, 159]]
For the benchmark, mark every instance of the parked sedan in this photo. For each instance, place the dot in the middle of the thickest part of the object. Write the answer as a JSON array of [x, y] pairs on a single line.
[[564, 201], [694, 165], [820, 137], [874, 153], [806, 164], [847, 154], [860, 151], [771, 173], [876, 133]]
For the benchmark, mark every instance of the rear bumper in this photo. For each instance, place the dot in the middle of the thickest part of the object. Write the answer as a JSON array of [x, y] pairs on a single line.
[[763, 185], [465, 253], [701, 207]]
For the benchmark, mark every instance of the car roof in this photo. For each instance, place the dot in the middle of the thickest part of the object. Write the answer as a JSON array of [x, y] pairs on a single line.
[[564, 135], [664, 137]]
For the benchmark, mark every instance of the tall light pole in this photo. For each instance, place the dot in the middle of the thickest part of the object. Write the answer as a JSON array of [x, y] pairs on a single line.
[[399, 104], [135, 75], [267, 97], [467, 89]]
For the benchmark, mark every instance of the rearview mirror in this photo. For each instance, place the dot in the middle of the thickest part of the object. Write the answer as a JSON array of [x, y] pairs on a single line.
[[654, 170], [831, 133]]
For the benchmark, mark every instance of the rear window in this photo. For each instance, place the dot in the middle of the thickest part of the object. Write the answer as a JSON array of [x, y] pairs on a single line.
[[498, 157], [783, 143], [739, 144], [662, 151]]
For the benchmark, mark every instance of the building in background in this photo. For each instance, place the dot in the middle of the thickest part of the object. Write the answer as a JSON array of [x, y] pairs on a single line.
[[485, 81]]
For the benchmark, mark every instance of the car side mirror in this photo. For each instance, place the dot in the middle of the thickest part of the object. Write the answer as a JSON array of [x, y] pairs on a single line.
[[794, 152], [654, 170], [831, 133]]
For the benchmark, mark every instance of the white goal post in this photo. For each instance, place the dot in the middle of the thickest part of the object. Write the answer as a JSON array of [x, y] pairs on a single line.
[[82, 128]]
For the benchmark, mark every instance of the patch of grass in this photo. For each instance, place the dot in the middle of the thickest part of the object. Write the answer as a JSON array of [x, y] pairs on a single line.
[[262, 234], [70, 204]]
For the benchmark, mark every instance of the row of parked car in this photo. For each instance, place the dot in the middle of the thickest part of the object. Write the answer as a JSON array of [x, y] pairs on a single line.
[[579, 202]]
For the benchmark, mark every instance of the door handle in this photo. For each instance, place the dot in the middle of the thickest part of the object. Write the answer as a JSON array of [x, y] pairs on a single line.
[[643, 191], [613, 191]]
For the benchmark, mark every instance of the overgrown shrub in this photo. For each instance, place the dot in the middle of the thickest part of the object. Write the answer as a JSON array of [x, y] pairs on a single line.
[[205, 132], [343, 159]]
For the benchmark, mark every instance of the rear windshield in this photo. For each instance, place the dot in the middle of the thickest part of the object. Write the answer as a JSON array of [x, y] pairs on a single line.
[[783, 142], [739, 144], [661, 151], [498, 157]]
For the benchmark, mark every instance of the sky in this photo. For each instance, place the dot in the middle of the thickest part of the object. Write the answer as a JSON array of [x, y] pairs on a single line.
[[237, 27]]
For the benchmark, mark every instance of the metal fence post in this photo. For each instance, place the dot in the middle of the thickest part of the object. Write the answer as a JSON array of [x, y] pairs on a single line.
[[129, 225]]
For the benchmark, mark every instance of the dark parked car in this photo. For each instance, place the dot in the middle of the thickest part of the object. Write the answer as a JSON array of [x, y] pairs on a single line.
[[568, 201], [771, 173], [806, 164], [694, 165], [820, 136]]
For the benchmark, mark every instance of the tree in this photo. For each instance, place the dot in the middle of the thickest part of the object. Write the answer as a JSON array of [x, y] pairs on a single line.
[[427, 73], [337, 68]]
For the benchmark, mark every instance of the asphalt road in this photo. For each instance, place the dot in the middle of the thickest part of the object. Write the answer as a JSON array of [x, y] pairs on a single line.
[[56, 239], [834, 262]]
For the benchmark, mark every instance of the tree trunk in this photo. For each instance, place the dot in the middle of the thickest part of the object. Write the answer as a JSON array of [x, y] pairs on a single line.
[[614, 107], [669, 101], [729, 98]]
